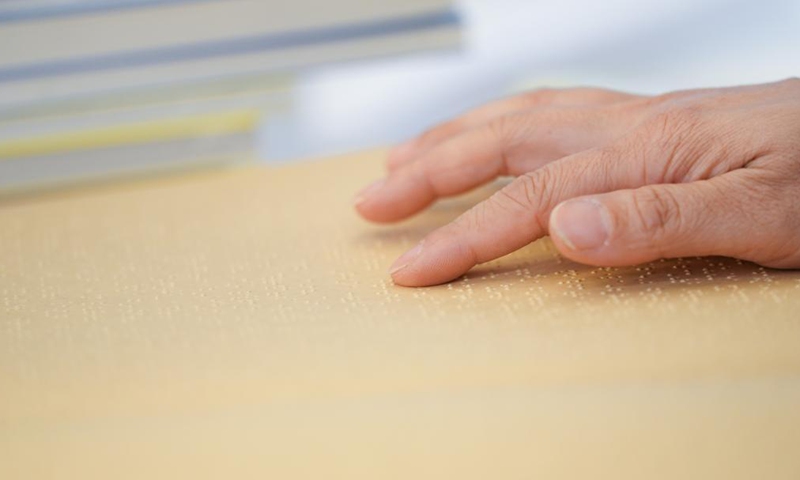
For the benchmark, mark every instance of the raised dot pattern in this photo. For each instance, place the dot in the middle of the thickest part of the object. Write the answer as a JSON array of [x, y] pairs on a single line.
[[259, 284]]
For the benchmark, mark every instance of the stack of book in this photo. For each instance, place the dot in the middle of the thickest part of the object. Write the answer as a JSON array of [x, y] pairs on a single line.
[[97, 88]]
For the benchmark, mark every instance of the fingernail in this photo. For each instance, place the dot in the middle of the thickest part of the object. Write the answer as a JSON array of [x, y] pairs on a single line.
[[406, 259], [583, 224], [364, 194]]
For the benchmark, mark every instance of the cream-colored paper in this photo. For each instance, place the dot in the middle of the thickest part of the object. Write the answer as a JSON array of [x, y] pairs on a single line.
[[242, 325]]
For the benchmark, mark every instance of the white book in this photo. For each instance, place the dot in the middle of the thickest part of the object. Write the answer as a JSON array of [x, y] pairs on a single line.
[[142, 142], [93, 89], [181, 127], [61, 55]]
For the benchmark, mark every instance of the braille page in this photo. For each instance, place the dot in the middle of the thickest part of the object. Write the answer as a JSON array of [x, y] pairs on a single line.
[[241, 324]]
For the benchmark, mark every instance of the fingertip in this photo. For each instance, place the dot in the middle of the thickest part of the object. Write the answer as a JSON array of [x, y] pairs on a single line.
[[431, 263], [367, 192], [364, 202], [380, 202], [395, 198], [374, 212]]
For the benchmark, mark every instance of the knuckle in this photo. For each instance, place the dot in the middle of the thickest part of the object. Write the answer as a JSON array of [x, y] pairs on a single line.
[[670, 142], [550, 96], [528, 199], [511, 201], [591, 95], [516, 201], [536, 191], [592, 92], [540, 96], [668, 97], [506, 134], [497, 135], [673, 122], [503, 129], [660, 102], [676, 99], [607, 160], [536, 187], [610, 154], [655, 213]]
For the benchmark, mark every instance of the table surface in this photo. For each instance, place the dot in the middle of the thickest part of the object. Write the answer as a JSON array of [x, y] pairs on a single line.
[[241, 324]]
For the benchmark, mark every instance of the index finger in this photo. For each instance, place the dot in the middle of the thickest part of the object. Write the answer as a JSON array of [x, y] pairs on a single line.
[[512, 218]]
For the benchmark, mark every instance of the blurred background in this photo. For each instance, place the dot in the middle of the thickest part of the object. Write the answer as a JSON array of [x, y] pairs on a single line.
[[96, 89]]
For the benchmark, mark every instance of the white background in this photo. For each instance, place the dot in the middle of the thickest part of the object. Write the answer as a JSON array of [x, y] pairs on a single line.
[[511, 45]]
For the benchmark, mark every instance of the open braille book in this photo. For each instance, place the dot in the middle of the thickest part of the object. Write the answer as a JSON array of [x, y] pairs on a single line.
[[241, 324]]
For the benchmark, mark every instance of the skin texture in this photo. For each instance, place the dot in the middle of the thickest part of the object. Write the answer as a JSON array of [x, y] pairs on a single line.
[[614, 179]]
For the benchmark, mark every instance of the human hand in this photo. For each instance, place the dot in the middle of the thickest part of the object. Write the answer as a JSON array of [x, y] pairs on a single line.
[[614, 179]]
